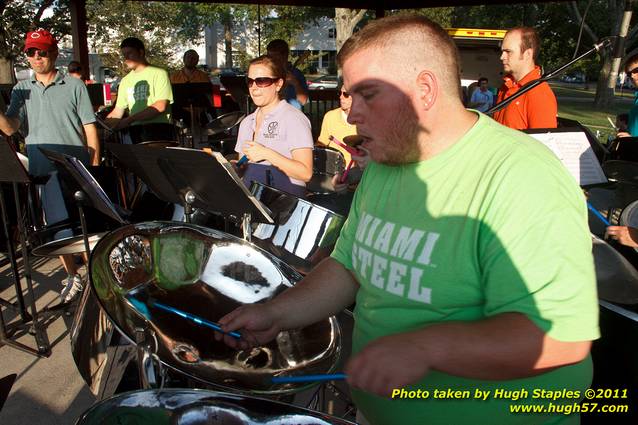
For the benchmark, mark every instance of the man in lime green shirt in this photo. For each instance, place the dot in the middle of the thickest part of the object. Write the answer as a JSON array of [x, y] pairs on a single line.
[[466, 248], [146, 93]]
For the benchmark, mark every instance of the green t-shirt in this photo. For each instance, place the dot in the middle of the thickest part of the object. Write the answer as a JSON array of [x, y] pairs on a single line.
[[139, 90], [493, 224]]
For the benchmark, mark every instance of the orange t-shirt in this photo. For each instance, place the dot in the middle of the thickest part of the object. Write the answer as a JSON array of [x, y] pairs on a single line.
[[535, 109]]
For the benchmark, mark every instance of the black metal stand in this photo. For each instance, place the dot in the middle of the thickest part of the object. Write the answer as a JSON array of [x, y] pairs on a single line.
[[13, 172], [547, 76], [193, 179], [20, 307]]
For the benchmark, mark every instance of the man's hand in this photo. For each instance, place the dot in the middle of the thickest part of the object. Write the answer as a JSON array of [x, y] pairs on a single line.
[[337, 185], [626, 235], [257, 324], [390, 362]]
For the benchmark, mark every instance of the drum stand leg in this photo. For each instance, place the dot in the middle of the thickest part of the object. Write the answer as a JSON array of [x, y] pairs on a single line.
[[15, 271], [35, 327], [146, 341]]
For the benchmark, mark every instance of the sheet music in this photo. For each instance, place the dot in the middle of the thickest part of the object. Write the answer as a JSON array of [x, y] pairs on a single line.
[[576, 154], [231, 171]]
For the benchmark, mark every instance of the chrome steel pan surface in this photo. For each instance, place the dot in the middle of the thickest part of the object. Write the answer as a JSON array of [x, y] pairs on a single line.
[[303, 234], [199, 407], [204, 273]]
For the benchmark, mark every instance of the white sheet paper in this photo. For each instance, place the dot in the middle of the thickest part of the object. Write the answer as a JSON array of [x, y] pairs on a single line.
[[576, 154]]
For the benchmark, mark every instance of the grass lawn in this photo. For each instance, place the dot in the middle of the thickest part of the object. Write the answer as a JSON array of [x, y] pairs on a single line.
[[576, 103]]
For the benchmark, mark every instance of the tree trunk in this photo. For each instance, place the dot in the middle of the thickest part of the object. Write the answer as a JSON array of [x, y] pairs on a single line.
[[7, 76], [604, 94], [605, 90], [228, 41], [345, 22]]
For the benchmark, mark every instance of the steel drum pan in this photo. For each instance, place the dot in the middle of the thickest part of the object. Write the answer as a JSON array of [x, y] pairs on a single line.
[[617, 278], [199, 407], [325, 165], [205, 273], [303, 233], [72, 245]]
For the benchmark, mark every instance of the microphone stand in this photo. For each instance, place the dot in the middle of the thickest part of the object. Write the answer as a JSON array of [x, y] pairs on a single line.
[[548, 76]]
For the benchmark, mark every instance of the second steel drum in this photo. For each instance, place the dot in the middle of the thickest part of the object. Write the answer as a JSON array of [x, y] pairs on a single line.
[[303, 233], [145, 274], [199, 407]]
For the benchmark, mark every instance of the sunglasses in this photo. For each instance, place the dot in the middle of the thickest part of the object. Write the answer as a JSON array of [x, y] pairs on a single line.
[[345, 94], [633, 71], [42, 53], [261, 81]]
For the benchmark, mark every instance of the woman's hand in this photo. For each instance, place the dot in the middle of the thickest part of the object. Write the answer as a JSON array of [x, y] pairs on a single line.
[[256, 152]]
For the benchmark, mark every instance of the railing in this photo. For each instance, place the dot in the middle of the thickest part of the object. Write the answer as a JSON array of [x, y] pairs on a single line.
[[320, 102]]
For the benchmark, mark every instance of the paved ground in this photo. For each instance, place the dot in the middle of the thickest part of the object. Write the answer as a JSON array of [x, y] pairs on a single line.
[[48, 391]]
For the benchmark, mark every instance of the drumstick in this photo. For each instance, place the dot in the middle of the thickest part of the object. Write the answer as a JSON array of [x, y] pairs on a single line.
[[344, 176], [242, 161], [350, 149], [193, 318], [597, 214], [143, 309], [308, 378]]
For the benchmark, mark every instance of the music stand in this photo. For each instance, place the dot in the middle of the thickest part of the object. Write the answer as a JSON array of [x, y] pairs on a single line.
[[12, 171], [212, 184], [192, 95], [193, 179], [238, 89]]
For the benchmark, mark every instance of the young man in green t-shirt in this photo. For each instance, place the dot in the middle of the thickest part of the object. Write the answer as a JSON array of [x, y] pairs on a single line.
[[147, 95], [466, 249]]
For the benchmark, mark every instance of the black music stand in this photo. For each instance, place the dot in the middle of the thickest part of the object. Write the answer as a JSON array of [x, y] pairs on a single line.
[[89, 192], [193, 179], [238, 89], [192, 95], [13, 172]]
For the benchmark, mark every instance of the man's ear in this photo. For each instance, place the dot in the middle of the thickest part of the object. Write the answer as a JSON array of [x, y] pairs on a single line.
[[427, 89], [528, 55]]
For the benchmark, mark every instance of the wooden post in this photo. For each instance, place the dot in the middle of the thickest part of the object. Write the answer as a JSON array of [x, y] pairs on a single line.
[[79, 33]]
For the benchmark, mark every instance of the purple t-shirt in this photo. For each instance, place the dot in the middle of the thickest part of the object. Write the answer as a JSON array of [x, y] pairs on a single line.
[[283, 130]]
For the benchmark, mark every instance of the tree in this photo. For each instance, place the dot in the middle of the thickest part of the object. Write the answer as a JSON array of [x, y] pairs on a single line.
[[619, 14], [19, 17], [346, 20], [110, 21]]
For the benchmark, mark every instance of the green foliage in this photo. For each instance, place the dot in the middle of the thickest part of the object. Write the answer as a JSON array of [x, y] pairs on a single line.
[[110, 21], [19, 17]]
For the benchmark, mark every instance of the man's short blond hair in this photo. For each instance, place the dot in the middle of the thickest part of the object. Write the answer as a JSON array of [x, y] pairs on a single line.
[[416, 40]]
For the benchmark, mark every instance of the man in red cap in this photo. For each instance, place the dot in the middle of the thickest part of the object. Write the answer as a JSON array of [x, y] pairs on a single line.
[[54, 112]]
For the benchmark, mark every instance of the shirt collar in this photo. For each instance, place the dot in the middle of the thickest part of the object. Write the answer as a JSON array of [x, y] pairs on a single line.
[[534, 74], [59, 78]]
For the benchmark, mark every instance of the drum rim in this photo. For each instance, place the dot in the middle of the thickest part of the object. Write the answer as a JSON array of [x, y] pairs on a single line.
[[623, 219], [35, 250], [172, 225], [300, 199], [209, 393]]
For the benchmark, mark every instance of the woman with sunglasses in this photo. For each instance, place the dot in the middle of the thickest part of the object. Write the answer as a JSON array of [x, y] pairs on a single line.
[[276, 139]]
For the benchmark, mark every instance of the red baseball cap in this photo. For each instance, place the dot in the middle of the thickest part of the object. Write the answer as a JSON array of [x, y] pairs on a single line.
[[40, 39]]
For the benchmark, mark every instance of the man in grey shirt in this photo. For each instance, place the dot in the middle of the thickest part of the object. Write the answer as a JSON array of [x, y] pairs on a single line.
[[53, 111]]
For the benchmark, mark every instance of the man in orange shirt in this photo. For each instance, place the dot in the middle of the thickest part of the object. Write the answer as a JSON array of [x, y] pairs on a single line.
[[536, 108], [190, 73]]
